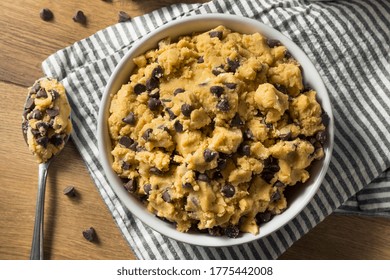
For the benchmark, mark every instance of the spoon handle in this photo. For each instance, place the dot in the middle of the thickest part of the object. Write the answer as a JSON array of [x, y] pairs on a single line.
[[37, 242]]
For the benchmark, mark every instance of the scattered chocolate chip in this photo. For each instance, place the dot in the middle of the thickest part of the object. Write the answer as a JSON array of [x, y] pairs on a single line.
[[147, 188], [236, 121], [231, 231], [263, 217], [221, 163], [126, 141], [70, 191], [200, 59], [52, 112], [215, 231], [80, 17], [152, 83], [321, 136], [217, 90], [130, 119], [157, 72], [147, 133], [244, 150], [154, 104], [139, 88], [223, 105], [41, 93], [178, 90], [166, 196], [29, 103], [186, 109], [172, 116], [35, 88], [156, 171], [57, 140], [46, 14], [36, 114], [273, 43], [275, 197], [203, 177], [43, 140], [187, 185], [54, 94], [248, 135], [89, 234], [228, 190], [230, 85], [125, 165], [131, 186], [216, 34], [123, 16], [178, 126], [154, 93], [232, 65], [209, 155]]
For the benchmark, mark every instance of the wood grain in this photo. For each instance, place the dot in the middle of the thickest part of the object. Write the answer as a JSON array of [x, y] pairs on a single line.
[[25, 40]]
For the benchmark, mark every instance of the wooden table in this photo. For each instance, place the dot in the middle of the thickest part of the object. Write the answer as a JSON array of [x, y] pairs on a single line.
[[26, 40]]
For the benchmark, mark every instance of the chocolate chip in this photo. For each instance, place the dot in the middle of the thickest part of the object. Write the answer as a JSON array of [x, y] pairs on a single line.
[[216, 34], [217, 90], [236, 121], [147, 133], [215, 231], [217, 175], [230, 85], [126, 141], [273, 43], [285, 136], [166, 196], [321, 136], [244, 150], [271, 166], [43, 140], [178, 90], [152, 83], [263, 217], [223, 105], [70, 191], [54, 94], [275, 197], [123, 16], [218, 70], [200, 59], [221, 163], [36, 114], [203, 177], [29, 103], [231, 231], [126, 165], [154, 93], [46, 14], [172, 116], [80, 17], [156, 171], [281, 88], [325, 118], [157, 72], [279, 184], [209, 155], [131, 186], [139, 88], [35, 88], [228, 190], [130, 119], [89, 234], [248, 135], [187, 185], [178, 126], [57, 140], [134, 146], [147, 188], [287, 54], [35, 133], [232, 65], [52, 112], [186, 109], [41, 93], [154, 104]]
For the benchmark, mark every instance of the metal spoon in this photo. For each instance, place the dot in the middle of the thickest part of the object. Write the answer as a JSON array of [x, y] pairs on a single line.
[[37, 241]]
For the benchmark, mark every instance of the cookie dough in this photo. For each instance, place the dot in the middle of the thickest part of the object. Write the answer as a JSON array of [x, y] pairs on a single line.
[[46, 119], [211, 130]]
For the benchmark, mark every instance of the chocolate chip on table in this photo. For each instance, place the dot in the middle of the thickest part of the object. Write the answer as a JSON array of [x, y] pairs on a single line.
[[178, 126], [123, 16], [41, 93], [147, 133], [57, 140], [232, 65], [139, 88], [263, 217], [216, 34], [89, 234], [273, 43], [80, 17], [156, 171], [36, 114], [152, 83], [209, 155], [52, 112], [70, 191], [29, 103], [236, 121], [154, 103], [166, 196], [131, 186], [178, 90], [228, 190], [147, 188], [126, 141], [231, 231], [157, 72], [217, 90], [321, 136], [186, 109], [230, 85], [46, 14], [43, 140], [223, 105], [172, 115], [130, 119]]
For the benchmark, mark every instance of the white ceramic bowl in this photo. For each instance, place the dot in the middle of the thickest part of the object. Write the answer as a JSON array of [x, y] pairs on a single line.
[[297, 199]]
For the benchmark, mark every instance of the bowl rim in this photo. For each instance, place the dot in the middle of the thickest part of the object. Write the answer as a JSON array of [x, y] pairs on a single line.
[[131, 202]]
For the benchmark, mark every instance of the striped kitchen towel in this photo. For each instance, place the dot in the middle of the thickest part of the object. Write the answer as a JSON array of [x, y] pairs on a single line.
[[348, 42]]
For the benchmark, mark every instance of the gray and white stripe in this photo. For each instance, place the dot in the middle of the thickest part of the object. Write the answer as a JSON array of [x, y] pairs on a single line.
[[348, 42]]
